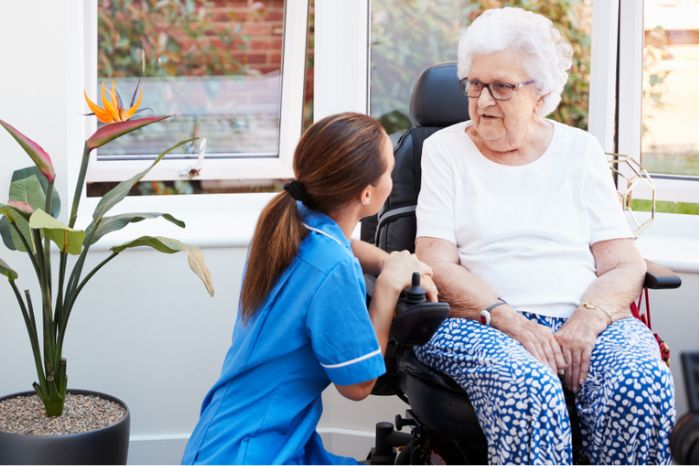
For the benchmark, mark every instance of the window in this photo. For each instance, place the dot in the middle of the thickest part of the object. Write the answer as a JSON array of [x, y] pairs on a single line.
[[658, 92], [230, 71], [399, 53], [670, 87], [648, 109]]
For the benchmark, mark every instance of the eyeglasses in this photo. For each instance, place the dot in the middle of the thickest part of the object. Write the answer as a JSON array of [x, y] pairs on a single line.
[[499, 91]]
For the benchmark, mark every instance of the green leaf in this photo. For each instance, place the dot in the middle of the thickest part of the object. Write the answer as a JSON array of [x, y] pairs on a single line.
[[37, 153], [10, 212], [67, 239], [23, 187], [112, 131], [28, 190], [7, 271], [121, 190], [110, 224], [8, 232], [170, 246]]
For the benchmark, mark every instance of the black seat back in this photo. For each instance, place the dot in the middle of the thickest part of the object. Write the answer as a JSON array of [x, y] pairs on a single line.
[[436, 102]]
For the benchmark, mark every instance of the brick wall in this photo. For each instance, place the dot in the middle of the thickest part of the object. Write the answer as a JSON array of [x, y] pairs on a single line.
[[258, 28]]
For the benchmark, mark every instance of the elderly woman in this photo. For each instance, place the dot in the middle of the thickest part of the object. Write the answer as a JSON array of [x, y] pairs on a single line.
[[519, 219]]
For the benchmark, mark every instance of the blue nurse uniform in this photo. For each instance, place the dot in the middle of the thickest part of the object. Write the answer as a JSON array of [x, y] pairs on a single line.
[[312, 329]]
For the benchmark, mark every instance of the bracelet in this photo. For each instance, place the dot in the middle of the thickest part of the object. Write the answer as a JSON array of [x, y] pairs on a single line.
[[485, 314], [596, 307]]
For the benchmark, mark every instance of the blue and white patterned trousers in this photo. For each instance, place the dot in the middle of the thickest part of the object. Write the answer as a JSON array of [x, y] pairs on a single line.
[[625, 405]]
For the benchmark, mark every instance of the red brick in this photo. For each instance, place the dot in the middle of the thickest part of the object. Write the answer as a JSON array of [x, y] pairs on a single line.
[[273, 43], [275, 15], [274, 57], [257, 28]]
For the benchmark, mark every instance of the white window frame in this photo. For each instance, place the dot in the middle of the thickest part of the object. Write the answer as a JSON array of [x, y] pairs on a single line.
[[341, 57], [291, 114], [601, 95]]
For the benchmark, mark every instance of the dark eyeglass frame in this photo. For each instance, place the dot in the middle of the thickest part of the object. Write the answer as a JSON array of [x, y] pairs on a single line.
[[465, 82]]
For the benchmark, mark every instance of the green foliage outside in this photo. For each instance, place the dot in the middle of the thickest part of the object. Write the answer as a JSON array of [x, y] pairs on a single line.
[[669, 207], [409, 35], [152, 38]]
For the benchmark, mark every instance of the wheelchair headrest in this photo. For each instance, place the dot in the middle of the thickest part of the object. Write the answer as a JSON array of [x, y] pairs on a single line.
[[436, 99]]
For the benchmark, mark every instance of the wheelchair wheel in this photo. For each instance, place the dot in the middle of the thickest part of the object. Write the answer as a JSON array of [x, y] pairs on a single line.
[[414, 453], [404, 456], [684, 440]]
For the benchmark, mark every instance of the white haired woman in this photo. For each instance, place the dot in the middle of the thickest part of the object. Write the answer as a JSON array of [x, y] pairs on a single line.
[[519, 219]]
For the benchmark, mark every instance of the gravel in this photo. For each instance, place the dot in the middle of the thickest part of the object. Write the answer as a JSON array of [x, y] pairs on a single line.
[[82, 413]]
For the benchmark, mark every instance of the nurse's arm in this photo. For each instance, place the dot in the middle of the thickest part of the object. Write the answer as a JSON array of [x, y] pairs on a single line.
[[371, 257], [381, 313], [372, 260], [358, 391]]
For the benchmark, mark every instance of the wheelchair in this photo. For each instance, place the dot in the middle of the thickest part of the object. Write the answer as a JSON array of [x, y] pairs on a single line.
[[442, 425]]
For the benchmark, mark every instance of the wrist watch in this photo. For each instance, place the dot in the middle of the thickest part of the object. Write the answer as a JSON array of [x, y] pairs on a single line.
[[485, 314]]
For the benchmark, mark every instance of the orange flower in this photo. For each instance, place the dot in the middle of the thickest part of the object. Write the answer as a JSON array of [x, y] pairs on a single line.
[[113, 110]]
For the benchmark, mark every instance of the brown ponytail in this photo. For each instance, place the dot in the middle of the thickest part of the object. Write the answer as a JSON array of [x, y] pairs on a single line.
[[335, 159]]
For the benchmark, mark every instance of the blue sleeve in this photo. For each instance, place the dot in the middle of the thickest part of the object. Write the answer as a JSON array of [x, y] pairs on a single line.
[[341, 333]]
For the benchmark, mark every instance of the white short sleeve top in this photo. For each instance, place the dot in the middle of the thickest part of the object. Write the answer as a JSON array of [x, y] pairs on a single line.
[[525, 230]]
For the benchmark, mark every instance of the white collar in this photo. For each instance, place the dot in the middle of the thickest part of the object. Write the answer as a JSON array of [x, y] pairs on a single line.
[[309, 227]]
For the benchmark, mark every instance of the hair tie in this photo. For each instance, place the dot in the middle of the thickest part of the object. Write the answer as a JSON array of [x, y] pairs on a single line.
[[297, 190]]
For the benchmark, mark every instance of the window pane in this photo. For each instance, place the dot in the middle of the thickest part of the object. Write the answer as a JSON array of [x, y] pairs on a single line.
[[670, 87], [409, 35], [215, 65]]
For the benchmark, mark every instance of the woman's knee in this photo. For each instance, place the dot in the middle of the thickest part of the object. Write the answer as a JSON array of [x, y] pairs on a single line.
[[643, 387], [538, 383]]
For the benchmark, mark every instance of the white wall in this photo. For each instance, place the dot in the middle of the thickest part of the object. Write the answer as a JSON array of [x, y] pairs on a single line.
[[145, 330]]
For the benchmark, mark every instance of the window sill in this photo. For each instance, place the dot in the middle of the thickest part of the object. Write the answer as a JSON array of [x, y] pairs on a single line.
[[228, 220], [212, 220], [672, 241]]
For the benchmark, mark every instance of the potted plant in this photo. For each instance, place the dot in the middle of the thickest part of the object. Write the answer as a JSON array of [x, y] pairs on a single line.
[[31, 224]]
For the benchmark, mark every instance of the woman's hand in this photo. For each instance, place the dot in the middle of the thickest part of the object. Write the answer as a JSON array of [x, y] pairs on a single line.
[[397, 270], [537, 339], [395, 275], [577, 338]]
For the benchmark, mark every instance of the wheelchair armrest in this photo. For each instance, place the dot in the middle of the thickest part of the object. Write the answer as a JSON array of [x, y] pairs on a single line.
[[659, 277]]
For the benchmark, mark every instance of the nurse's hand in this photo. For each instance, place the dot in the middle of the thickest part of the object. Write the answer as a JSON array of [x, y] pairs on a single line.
[[397, 270]]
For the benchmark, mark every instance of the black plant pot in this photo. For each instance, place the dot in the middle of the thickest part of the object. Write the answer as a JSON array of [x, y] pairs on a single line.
[[109, 445]]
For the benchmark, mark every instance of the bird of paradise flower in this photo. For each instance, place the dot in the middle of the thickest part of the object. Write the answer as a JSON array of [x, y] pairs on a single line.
[[113, 109]]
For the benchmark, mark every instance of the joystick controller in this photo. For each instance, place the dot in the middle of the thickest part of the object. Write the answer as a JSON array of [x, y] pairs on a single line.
[[416, 318]]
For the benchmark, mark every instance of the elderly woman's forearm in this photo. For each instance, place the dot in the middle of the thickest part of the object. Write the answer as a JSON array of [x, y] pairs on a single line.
[[615, 290], [466, 293]]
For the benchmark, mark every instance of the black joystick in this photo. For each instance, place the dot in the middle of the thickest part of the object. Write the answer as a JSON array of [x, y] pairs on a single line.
[[411, 296], [415, 294], [416, 318]]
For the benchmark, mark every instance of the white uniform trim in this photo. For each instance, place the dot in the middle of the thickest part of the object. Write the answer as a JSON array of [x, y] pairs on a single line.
[[353, 361], [308, 227]]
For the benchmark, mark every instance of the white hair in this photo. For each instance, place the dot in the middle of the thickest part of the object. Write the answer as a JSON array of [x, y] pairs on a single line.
[[547, 55]]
